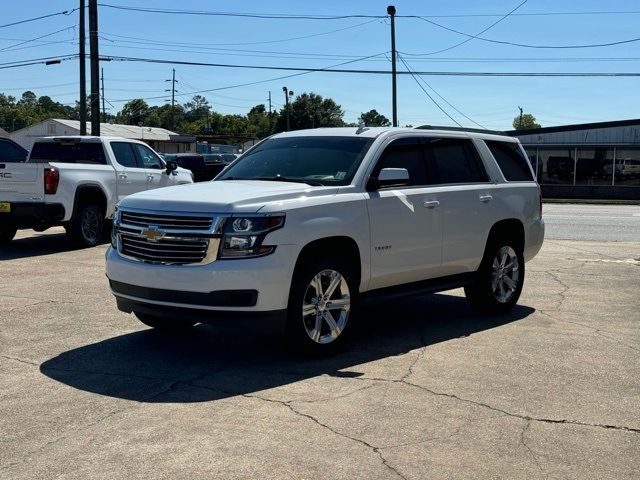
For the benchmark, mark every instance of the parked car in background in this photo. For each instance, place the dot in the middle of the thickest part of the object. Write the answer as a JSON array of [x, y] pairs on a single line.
[[76, 182], [195, 162], [218, 161], [10, 151], [629, 167]]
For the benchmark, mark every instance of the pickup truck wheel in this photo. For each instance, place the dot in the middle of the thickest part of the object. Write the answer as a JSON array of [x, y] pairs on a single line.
[[87, 228], [162, 323], [321, 306], [6, 234], [500, 279]]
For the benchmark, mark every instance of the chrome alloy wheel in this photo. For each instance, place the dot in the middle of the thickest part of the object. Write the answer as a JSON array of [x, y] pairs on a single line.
[[89, 224], [326, 305], [505, 274]]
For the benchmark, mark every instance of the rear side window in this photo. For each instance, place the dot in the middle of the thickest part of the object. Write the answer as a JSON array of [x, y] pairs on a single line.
[[10, 152], [68, 152], [454, 161], [404, 153], [124, 154], [511, 160]]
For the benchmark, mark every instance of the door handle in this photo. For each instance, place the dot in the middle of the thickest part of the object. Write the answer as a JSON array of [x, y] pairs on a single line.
[[149, 177], [485, 198], [431, 204], [123, 176]]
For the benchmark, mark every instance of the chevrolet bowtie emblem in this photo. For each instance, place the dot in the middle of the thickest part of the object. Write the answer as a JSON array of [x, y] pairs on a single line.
[[153, 234]]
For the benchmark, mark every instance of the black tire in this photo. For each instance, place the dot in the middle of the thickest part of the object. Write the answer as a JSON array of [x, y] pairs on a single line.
[[164, 324], [302, 292], [87, 227], [6, 234], [486, 295]]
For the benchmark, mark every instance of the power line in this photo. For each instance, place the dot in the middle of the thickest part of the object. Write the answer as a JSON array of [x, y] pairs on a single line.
[[376, 72], [479, 33], [263, 42], [37, 61], [443, 99], [232, 14], [525, 45], [72, 27], [64, 12], [427, 93]]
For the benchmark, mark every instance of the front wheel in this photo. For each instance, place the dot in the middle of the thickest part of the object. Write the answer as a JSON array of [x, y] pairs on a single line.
[[6, 234], [322, 301], [163, 324], [499, 279]]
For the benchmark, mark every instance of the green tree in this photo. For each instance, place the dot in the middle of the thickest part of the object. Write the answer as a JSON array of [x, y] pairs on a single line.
[[133, 112], [525, 122], [197, 108], [310, 110], [374, 119]]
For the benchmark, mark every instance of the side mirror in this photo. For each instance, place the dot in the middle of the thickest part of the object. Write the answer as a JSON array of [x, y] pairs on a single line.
[[389, 177], [172, 165]]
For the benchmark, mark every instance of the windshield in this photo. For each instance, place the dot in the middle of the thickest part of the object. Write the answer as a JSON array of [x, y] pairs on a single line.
[[313, 160]]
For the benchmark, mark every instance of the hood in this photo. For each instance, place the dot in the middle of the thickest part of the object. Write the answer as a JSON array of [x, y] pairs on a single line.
[[223, 196]]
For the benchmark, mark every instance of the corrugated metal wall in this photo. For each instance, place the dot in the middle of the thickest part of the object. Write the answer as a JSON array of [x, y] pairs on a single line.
[[601, 136]]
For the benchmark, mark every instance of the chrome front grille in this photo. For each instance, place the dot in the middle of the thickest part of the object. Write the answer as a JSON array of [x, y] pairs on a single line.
[[170, 239], [166, 221]]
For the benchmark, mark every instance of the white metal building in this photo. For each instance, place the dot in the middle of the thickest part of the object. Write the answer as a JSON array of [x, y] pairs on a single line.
[[160, 139]]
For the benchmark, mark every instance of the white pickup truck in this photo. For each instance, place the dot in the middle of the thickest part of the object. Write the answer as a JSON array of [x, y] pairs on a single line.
[[77, 182], [306, 223]]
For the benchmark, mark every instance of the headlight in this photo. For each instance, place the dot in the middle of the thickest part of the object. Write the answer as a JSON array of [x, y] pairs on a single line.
[[243, 236], [114, 228]]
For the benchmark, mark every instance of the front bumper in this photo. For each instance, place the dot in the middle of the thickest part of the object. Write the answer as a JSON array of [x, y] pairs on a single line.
[[33, 214], [258, 284]]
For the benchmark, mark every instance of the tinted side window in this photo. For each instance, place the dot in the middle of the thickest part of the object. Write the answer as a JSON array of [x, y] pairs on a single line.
[[454, 161], [124, 154], [514, 166], [147, 157], [11, 153], [68, 152], [404, 153]]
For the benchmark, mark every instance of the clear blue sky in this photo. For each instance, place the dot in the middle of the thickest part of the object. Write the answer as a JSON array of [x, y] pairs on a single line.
[[490, 101]]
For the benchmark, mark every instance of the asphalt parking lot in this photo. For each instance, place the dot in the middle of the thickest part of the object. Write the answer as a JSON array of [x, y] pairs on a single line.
[[429, 391]]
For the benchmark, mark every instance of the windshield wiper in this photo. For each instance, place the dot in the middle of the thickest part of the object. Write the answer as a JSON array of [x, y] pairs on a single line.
[[280, 178]]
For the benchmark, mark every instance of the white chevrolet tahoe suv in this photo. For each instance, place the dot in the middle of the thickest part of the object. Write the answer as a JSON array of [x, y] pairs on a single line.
[[77, 182], [307, 223]]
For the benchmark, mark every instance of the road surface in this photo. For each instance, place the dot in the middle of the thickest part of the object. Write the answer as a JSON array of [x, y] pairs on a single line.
[[605, 223]]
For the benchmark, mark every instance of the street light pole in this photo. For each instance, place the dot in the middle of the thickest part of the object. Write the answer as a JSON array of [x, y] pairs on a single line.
[[287, 93], [391, 10]]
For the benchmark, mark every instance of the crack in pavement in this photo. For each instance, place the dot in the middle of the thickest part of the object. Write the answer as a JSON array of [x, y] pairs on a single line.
[[21, 360], [561, 294], [533, 455]]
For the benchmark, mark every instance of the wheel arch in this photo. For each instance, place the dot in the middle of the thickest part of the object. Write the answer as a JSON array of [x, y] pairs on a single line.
[[345, 245], [89, 192], [511, 228]]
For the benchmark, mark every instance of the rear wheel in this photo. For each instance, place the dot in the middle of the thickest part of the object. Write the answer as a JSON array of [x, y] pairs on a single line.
[[500, 278], [163, 324], [6, 234], [87, 227], [322, 302]]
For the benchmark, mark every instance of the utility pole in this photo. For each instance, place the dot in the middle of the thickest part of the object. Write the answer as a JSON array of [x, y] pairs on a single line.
[[520, 121], [104, 110], [173, 97], [391, 10], [83, 72], [287, 93], [95, 67], [269, 111]]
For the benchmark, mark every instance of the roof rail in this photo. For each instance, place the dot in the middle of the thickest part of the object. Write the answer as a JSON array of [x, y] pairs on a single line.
[[460, 129]]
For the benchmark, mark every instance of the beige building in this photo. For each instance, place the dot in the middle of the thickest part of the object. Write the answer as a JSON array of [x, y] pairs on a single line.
[[160, 139]]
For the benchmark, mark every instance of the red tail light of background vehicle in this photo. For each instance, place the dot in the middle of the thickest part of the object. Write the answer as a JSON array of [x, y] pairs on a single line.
[[51, 180]]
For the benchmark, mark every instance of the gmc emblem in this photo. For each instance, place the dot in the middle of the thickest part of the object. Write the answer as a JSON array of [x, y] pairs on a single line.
[[5, 175]]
